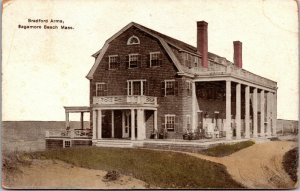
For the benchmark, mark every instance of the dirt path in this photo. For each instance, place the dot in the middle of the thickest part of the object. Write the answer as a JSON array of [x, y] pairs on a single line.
[[258, 166], [44, 174]]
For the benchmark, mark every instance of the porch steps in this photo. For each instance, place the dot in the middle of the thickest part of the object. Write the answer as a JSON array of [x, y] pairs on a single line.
[[114, 143]]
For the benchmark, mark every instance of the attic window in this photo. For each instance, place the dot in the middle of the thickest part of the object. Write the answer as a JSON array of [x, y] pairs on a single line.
[[133, 40]]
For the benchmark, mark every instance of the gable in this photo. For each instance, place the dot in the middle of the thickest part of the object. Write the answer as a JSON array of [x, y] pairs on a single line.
[[123, 35]]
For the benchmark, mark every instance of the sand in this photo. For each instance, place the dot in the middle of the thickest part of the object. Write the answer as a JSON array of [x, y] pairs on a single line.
[[258, 166], [54, 174]]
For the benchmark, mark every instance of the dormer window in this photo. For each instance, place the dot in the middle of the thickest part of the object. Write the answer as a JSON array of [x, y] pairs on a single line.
[[133, 40]]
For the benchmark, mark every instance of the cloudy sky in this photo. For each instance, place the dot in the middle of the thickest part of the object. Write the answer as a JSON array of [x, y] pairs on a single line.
[[44, 70]]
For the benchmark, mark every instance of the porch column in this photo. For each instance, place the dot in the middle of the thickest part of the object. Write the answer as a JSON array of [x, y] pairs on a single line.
[[247, 112], [262, 113], [81, 120], [141, 134], [123, 124], [94, 124], [268, 115], [255, 112], [238, 111], [155, 123], [194, 101], [228, 110], [274, 114], [67, 120], [132, 125], [112, 124], [99, 133]]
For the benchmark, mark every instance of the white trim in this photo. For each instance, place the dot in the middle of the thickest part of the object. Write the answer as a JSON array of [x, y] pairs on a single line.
[[131, 84], [133, 36], [109, 60], [166, 117], [173, 80], [99, 83], [129, 60]]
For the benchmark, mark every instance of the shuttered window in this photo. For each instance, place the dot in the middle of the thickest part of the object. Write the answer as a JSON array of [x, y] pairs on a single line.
[[169, 87]]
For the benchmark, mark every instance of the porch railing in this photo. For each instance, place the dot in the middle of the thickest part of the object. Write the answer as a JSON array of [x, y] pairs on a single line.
[[135, 99], [74, 133]]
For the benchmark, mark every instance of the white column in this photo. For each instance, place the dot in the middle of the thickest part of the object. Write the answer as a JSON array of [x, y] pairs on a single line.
[[194, 101], [262, 113], [112, 124], [123, 123], [141, 131], [99, 133], [94, 124], [132, 125], [228, 110], [255, 112], [247, 112], [238, 111], [67, 120], [268, 115], [275, 114], [155, 123]]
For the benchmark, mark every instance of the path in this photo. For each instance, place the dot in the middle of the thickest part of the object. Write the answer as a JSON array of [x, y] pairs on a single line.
[[258, 166]]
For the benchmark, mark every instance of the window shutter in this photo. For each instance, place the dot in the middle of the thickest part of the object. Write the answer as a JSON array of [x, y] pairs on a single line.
[[148, 60], [127, 61], [107, 63], [162, 122], [118, 61], [176, 88], [176, 124], [139, 62], [145, 88], [125, 89], [163, 92], [105, 89]]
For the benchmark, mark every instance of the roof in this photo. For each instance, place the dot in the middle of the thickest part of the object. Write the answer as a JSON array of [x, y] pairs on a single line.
[[171, 41]]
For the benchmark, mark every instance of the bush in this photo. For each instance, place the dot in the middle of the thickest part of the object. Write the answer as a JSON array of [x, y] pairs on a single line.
[[290, 163], [111, 176]]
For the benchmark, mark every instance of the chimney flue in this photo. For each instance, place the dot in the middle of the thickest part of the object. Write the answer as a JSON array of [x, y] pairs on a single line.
[[202, 43], [237, 55]]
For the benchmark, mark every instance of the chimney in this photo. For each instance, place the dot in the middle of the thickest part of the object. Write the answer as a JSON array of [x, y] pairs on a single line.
[[237, 55], [202, 45]]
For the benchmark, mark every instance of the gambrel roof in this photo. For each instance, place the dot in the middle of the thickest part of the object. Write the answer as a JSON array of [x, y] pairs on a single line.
[[165, 41]]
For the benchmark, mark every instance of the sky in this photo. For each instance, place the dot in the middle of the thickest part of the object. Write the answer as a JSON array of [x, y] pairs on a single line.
[[45, 69]]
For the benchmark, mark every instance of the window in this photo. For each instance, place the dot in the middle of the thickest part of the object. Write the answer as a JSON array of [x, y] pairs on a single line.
[[133, 40], [188, 60], [67, 144], [113, 62], [101, 89], [137, 87], [155, 59], [134, 60], [170, 122], [169, 87]]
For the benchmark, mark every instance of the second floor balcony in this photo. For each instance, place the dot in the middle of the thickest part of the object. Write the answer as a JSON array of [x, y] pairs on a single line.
[[125, 100]]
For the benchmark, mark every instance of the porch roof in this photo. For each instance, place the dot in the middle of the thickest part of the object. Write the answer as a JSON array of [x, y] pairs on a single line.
[[75, 109]]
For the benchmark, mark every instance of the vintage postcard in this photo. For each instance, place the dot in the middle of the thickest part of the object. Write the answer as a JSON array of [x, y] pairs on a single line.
[[156, 94]]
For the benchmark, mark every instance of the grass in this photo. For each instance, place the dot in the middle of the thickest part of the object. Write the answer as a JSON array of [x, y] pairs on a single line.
[[157, 168], [226, 149], [290, 163]]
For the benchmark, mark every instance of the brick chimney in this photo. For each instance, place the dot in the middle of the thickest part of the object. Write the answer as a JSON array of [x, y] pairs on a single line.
[[237, 55], [202, 44]]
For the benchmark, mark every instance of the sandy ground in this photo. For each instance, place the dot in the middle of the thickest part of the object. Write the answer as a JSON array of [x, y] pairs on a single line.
[[55, 174], [258, 166]]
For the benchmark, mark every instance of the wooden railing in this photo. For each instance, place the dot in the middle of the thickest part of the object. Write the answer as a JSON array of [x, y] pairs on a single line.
[[135, 99], [219, 69], [74, 133]]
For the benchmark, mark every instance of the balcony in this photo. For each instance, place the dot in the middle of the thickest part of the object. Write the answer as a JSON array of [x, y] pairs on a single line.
[[125, 100]]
